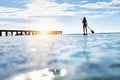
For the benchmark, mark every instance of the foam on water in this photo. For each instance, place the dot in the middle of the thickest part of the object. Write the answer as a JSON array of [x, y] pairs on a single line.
[[83, 57]]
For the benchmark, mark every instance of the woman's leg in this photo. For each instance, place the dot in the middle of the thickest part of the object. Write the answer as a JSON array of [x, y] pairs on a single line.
[[86, 29], [83, 30]]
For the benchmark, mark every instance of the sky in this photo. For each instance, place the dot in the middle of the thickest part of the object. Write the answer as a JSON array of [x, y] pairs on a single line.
[[65, 15]]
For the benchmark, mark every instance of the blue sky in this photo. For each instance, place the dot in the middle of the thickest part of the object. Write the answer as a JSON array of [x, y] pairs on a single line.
[[65, 15]]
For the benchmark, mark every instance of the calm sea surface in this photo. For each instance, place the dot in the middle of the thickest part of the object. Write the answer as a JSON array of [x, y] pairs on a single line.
[[60, 57]]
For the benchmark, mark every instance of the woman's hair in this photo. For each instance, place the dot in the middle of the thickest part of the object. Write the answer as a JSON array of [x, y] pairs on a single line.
[[84, 18]]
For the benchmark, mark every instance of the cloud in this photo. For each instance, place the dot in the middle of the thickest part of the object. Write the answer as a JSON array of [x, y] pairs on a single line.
[[6, 12], [39, 13], [111, 12], [95, 5], [84, 1], [45, 23], [38, 8], [101, 9], [114, 4], [47, 8]]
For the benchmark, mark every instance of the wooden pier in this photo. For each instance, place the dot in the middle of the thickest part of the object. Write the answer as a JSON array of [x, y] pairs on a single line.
[[18, 32], [25, 32], [55, 32]]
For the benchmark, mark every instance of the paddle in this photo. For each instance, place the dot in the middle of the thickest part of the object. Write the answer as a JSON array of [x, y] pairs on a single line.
[[91, 30]]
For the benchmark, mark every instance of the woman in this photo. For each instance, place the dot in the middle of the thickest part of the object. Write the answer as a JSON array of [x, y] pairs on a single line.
[[84, 21]]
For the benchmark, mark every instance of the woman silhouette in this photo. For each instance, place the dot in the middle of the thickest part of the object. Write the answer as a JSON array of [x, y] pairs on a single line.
[[84, 21]]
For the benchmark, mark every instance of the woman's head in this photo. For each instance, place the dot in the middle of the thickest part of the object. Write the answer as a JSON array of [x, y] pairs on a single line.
[[84, 18]]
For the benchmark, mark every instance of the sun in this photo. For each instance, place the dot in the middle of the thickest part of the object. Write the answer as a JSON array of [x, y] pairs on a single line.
[[45, 31], [46, 24]]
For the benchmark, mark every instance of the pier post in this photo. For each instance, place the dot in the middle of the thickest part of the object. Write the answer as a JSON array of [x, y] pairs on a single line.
[[28, 32], [25, 33], [21, 33], [0, 33], [32, 32], [16, 33], [6, 33], [11, 33], [38, 32]]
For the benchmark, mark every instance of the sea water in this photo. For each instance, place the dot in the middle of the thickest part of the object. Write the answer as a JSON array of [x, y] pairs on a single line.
[[60, 57]]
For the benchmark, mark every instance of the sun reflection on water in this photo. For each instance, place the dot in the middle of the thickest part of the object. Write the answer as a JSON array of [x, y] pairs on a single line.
[[44, 74]]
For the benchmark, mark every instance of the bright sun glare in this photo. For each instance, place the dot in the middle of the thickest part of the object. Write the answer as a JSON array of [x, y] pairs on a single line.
[[44, 74], [44, 25]]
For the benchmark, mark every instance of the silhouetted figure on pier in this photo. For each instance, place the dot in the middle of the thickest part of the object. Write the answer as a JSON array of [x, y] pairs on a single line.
[[84, 21], [55, 71]]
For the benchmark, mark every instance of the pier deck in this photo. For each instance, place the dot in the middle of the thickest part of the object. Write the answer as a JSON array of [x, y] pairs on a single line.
[[25, 32]]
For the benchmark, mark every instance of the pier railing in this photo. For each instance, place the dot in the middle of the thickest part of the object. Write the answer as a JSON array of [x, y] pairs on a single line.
[[25, 32]]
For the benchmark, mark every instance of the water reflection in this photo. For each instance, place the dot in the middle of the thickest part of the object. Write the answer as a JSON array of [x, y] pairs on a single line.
[[44, 74], [66, 57], [85, 47]]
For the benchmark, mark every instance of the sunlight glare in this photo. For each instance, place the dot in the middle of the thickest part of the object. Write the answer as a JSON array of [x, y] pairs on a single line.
[[47, 24], [44, 74]]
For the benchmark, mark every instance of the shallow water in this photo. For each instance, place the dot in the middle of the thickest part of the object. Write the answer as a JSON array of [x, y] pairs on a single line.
[[82, 57]]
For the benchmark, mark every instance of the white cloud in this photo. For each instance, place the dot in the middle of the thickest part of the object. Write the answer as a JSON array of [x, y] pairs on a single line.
[[6, 12], [47, 8], [45, 23], [110, 12], [115, 1], [97, 16], [96, 5], [114, 4], [102, 9], [89, 12], [83, 1], [40, 12], [38, 8]]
